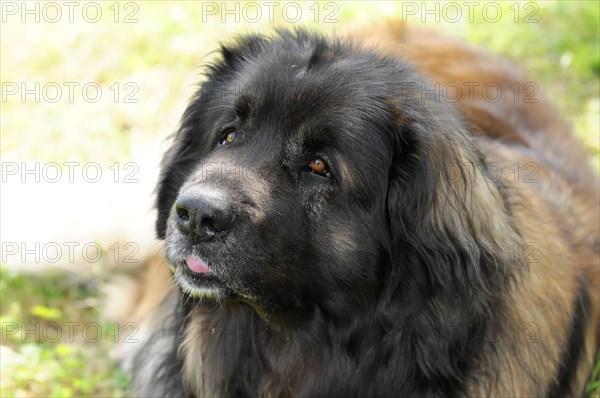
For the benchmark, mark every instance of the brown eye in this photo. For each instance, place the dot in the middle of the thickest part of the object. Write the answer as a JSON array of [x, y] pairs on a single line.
[[318, 166], [229, 137]]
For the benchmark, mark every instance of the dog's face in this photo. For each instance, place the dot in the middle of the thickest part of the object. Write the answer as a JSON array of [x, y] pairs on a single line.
[[283, 189], [278, 188], [275, 189]]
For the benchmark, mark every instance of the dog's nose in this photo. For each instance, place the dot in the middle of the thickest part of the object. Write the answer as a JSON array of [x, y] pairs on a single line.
[[203, 214]]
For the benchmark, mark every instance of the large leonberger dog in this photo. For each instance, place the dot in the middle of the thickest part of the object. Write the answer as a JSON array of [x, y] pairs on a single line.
[[346, 219]]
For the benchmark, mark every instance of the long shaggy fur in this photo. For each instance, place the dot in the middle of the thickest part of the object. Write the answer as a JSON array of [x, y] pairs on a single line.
[[414, 271]]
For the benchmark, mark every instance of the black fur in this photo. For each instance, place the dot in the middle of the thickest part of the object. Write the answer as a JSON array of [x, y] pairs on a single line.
[[399, 307], [575, 346]]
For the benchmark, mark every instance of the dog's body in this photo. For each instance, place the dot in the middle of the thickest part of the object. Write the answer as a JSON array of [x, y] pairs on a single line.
[[337, 232]]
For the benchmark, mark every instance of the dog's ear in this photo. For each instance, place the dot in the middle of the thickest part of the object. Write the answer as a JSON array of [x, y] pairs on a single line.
[[232, 56], [193, 140], [448, 219]]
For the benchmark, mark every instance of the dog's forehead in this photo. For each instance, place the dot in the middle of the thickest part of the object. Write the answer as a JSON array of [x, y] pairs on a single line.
[[292, 85], [295, 108], [325, 109], [302, 101]]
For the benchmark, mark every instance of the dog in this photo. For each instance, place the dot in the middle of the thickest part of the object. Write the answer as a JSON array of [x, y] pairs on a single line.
[[342, 219]]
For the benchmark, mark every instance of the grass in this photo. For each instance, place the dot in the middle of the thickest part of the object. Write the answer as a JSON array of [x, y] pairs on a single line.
[[160, 55], [53, 343]]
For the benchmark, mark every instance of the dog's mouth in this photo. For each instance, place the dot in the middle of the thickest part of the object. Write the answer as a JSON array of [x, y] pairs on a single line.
[[196, 279]]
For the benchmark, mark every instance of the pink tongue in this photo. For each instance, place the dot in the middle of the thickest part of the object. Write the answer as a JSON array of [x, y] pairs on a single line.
[[196, 265]]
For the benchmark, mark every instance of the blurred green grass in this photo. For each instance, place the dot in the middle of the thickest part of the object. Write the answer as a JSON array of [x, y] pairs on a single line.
[[48, 349], [161, 54]]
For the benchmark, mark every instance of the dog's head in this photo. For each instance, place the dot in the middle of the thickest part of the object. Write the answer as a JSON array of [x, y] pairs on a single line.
[[309, 174]]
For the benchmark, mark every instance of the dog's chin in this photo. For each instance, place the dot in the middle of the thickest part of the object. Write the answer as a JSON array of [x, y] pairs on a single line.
[[203, 288]]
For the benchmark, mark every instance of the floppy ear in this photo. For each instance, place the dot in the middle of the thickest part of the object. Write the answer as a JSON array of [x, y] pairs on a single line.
[[449, 222], [192, 140]]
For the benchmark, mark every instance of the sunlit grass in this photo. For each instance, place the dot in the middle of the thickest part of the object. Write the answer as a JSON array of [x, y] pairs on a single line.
[[53, 344]]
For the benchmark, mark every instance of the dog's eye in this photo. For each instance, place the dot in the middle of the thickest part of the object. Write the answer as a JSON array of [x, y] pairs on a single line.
[[229, 137], [318, 166]]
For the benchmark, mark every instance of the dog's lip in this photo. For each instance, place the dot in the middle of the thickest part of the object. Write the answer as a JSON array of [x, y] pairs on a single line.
[[204, 287]]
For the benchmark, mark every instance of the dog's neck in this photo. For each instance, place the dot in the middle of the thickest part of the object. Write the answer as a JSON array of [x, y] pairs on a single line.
[[283, 356], [279, 358]]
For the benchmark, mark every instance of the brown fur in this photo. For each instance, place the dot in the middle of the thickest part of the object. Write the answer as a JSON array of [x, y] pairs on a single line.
[[557, 216]]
